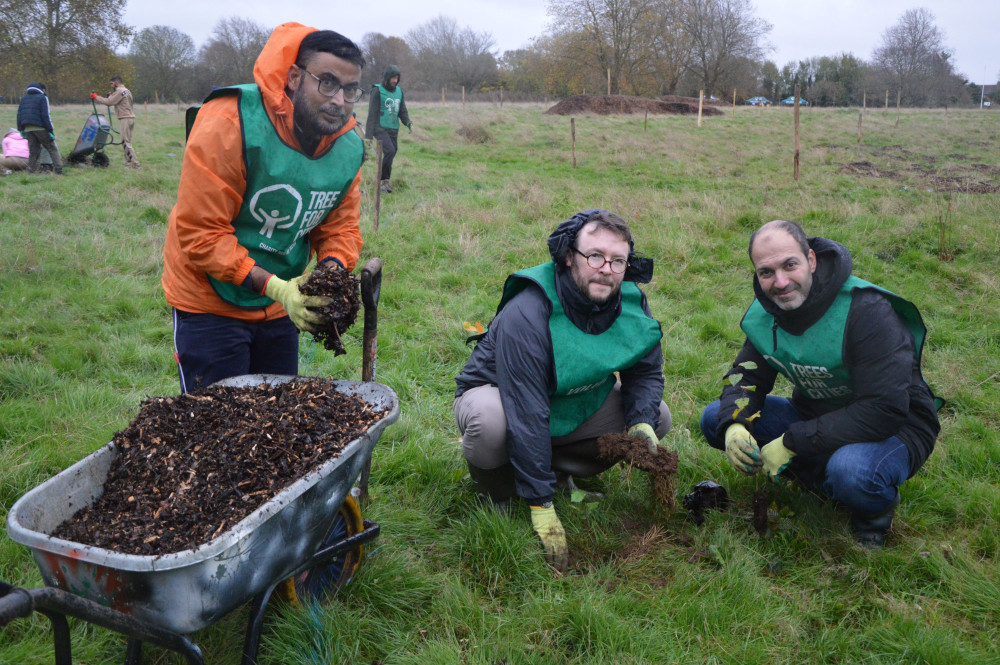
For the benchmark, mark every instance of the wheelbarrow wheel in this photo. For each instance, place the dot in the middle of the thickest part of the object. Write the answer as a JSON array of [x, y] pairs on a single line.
[[317, 582], [100, 160]]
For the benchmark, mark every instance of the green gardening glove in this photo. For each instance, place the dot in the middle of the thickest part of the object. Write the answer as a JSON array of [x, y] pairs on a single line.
[[550, 530], [295, 302], [741, 450], [776, 458], [645, 431]]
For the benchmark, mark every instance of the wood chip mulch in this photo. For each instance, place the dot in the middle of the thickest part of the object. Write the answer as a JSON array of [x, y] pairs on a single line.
[[190, 467]]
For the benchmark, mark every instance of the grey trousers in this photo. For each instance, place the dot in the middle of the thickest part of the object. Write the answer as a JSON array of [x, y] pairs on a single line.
[[481, 420]]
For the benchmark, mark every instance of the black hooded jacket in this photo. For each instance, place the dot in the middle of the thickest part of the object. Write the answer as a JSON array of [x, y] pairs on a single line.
[[891, 397], [375, 105], [516, 356], [34, 109]]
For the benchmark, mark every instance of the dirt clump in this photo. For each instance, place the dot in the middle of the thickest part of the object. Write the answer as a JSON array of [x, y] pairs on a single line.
[[621, 104], [344, 290], [661, 465], [190, 466]]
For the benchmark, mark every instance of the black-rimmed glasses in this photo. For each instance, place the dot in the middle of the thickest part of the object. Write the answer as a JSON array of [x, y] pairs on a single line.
[[597, 261], [329, 87]]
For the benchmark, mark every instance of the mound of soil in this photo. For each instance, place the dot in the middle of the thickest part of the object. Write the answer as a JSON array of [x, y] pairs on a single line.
[[190, 466], [344, 290], [613, 104], [661, 466]]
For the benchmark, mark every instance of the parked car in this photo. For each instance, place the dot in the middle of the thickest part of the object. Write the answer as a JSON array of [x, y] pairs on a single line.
[[790, 101], [759, 101]]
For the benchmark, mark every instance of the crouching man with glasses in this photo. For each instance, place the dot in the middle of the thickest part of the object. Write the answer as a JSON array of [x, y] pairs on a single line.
[[270, 180], [540, 386]]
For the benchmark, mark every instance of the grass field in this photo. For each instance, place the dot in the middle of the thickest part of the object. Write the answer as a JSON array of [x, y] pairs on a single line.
[[85, 335]]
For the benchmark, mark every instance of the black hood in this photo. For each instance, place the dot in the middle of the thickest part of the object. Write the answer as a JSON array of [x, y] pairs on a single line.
[[833, 267], [390, 71], [640, 268]]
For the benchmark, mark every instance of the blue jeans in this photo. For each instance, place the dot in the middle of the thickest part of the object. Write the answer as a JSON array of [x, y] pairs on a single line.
[[209, 347], [863, 476]]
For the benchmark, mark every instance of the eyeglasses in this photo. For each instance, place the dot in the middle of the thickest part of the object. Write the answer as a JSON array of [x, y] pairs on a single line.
[[597, 261], [329, 87]]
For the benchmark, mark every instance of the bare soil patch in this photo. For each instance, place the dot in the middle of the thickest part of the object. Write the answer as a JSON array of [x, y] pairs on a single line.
[[190, 466], [661, 466], [623, 104], [866, 168]]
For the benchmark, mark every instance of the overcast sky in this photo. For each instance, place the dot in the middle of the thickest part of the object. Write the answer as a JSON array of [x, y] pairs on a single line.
[[802, 28]]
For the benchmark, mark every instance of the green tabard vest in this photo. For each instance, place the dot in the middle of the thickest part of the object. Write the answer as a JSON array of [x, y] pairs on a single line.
[[814, 361], [388, 116], [585, 364], [287, 195]]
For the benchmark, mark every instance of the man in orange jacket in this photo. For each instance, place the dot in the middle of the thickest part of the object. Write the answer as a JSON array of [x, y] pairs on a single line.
[[269, 181]]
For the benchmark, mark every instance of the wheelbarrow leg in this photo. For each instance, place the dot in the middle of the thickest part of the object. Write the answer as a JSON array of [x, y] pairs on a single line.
[[251, 644], [133, 652], [371, 288], [60, 637]]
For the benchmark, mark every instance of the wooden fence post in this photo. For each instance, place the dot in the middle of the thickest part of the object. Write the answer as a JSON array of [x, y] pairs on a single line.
[[609, 81], [572, 132], [501, 96], [864, 101], [899, 96], [645, 118], [442, 96], [463, 99], [859, 129], [734, 103], [701, 101], [795, 160]]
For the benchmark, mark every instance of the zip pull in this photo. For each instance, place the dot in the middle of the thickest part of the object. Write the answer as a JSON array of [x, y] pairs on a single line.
[[774, 335]]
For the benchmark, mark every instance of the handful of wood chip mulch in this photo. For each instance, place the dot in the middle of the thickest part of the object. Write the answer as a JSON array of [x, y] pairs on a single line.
[[344, 290]]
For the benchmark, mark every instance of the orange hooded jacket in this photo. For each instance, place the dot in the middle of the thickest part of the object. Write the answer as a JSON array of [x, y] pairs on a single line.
[[201, 240]]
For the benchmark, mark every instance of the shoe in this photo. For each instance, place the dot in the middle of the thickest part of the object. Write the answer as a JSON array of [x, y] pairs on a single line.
[[494, 485], [870, 530], [384, 186], [564, 483]]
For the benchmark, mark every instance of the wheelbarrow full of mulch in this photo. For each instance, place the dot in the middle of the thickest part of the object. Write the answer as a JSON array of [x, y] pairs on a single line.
[[305, 538]]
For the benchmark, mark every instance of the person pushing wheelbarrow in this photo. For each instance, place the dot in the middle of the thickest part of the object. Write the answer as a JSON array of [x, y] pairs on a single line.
[[121, 99]]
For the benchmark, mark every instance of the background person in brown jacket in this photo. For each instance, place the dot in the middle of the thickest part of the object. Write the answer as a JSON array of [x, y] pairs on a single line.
[[121, 99]]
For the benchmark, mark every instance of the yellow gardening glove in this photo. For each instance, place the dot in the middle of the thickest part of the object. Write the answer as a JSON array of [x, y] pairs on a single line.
[[741, 450], [295, 303], [645, 431], [776, 458], [550, 530]]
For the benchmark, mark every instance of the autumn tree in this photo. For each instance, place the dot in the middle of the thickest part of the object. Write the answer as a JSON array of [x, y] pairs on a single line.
[[725, 35], [612, 36], [913, 59], [381, 51], [54, 41], [228, 57], [446, 55], [163, 58]]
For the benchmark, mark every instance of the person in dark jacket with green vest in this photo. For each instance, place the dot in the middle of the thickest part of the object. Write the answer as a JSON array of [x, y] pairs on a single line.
[[861, 419], [540, 386], [386, 109]]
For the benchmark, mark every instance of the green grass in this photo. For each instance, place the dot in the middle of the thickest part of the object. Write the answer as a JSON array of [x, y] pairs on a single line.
[[85, 335]]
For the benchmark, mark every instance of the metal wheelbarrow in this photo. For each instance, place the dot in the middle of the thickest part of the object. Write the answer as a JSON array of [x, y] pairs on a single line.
[[305, 540]]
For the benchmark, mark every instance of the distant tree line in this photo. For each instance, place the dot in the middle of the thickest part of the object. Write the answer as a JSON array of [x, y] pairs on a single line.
[[636, 47]]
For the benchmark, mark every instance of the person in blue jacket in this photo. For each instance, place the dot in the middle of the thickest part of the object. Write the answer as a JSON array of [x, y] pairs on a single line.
[[35, 124]]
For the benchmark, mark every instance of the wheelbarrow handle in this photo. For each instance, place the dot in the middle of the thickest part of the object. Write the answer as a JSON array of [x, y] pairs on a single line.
[[15, 603]]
